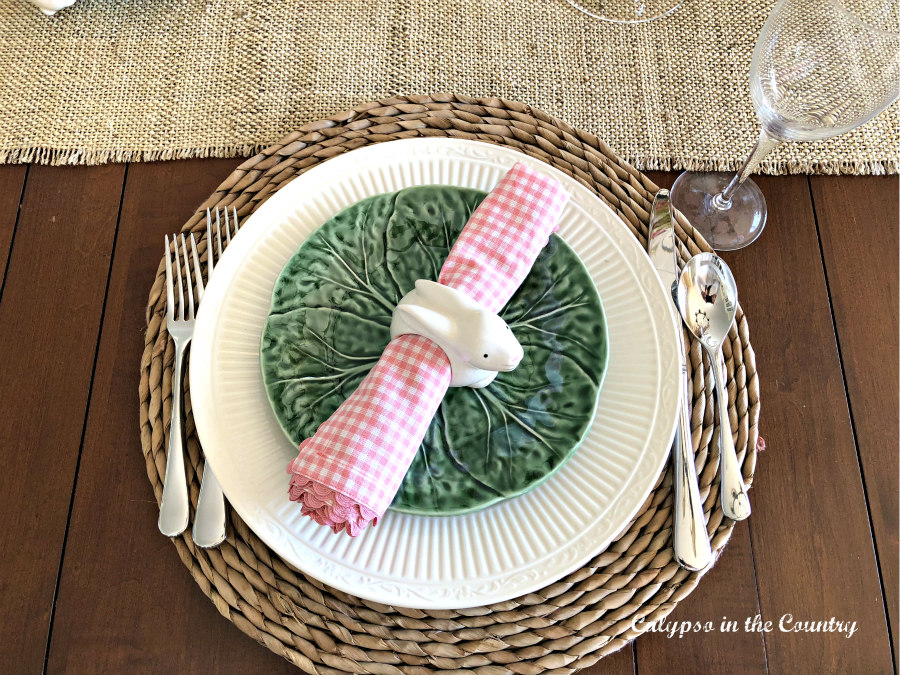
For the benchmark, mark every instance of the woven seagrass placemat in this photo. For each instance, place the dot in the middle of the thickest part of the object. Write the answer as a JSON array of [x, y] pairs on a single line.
[[559, 629], [132, 80]]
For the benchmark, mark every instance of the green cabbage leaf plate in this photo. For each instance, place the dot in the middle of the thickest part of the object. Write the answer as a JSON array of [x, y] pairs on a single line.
[[330, 320]]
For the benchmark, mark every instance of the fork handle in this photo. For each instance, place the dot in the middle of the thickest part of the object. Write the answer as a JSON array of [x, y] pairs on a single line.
[[209, 521], [173, 511]]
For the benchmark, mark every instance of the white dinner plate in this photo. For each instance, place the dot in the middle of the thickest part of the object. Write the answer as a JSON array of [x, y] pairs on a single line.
[[443, 562]]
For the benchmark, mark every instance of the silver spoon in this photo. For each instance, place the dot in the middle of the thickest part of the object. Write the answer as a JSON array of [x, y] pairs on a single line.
[[707, 300]]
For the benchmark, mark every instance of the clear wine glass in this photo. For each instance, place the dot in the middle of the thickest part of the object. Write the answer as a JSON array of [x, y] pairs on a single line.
[[626, 11], [820, 69]]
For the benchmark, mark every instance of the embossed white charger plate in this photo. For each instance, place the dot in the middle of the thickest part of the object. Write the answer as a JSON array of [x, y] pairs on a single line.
[[443, 562]]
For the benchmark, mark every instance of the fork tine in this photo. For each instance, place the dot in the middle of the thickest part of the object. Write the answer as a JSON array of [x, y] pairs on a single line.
[[190, 284], [178, 273], [235, 218], [170, 292], [197, 274], [218, 231], [227, 228], [210, 253]]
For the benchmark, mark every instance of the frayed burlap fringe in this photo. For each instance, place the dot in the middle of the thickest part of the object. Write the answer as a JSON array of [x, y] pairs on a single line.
[[78, 156], [144, 80], [75, 156], [773, 168]]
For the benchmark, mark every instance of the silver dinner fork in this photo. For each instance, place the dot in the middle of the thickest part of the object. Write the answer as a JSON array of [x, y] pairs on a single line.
[[173, 511], [209, 521]]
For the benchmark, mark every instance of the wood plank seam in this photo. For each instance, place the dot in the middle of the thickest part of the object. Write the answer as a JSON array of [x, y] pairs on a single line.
[[758, 600], [110, 608], [87, 408], [862, 472], [735, 560], [654, 655], [12, 240]]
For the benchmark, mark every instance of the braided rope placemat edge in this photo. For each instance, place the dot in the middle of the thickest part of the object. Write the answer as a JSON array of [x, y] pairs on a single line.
[[564, 627]]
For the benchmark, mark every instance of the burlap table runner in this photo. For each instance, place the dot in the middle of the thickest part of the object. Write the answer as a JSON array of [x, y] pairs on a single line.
[[125, 80]]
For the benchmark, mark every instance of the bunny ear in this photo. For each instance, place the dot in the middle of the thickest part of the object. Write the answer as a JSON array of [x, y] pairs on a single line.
[[432, 292], [426, 322], [438, 295]]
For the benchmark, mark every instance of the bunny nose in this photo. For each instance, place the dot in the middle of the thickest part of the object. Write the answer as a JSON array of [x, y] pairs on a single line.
[[514, 360], [512, 364]]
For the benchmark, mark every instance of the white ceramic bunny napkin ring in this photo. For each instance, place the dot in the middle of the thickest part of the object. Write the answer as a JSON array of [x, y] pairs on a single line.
[[478, 342]]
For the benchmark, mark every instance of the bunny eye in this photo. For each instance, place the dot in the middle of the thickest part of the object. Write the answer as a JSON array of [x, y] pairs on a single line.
[[507, 328], [485, 356]]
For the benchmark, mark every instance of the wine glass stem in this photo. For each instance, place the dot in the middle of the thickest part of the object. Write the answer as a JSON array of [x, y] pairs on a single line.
[[764, 145]]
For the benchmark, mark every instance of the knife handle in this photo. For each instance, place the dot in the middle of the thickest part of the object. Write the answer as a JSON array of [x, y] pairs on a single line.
[[691, 542]]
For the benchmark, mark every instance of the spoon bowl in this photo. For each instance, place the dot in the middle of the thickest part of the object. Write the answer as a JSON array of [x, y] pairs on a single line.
[[707, 301]]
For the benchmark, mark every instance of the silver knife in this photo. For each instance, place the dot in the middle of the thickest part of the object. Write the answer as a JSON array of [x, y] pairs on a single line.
[[691, 542]]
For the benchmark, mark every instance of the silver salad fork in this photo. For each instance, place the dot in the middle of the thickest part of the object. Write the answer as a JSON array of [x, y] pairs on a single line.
[[209, 521], [173, 511]]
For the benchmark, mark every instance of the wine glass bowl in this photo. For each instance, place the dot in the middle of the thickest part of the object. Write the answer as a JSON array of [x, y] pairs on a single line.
[[819, 71], [820, 68]]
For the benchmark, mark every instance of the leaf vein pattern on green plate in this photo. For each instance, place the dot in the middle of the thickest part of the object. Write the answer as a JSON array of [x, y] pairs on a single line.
[[330, 320]]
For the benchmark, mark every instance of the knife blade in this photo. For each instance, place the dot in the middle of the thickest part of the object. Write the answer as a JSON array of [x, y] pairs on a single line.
[[691, 542]]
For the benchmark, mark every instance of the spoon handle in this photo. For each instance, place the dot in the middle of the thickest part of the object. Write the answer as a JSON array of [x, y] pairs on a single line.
[[735, 502]]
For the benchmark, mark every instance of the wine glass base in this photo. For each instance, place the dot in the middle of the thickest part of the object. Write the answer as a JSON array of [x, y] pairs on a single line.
[[725, 229]]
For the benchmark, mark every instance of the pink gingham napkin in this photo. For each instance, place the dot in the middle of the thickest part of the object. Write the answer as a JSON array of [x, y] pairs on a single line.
[[348, 472]]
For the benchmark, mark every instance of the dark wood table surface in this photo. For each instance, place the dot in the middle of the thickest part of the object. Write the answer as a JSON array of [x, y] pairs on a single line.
[[88, 585]]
